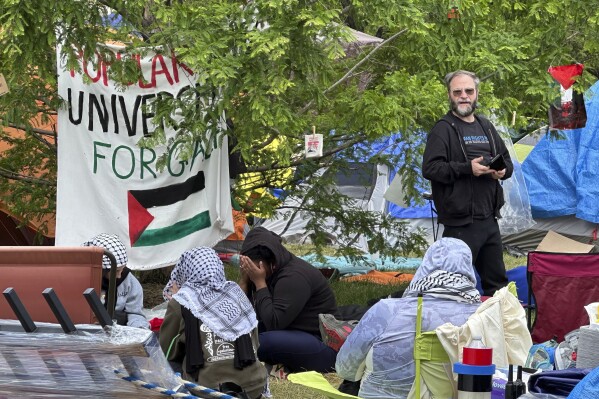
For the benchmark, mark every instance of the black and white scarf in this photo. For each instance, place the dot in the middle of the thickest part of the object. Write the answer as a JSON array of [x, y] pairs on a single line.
[[446, 272], [446, 285], [114, 245], [203, 290]]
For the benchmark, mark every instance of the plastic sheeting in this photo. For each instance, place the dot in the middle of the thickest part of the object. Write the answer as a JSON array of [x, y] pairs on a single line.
[[52, 364], [369, 263], [516, 215]]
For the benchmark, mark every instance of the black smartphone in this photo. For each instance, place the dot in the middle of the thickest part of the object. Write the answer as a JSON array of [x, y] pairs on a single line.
[[497, 162]]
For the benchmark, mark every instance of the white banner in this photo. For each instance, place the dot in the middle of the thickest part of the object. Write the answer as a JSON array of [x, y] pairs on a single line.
[[108, 184]]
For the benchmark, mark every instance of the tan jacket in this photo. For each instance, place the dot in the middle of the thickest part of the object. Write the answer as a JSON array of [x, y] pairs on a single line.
[[501, 322], [218, 355]]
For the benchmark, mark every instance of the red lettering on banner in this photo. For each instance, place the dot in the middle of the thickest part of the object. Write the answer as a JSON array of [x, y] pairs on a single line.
[[160, 66], [141, 80], [182, 65], [164, 70], [175, 68], [98, 76]]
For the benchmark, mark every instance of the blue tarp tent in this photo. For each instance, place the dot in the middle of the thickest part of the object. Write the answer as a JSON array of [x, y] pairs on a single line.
[[562, 175]]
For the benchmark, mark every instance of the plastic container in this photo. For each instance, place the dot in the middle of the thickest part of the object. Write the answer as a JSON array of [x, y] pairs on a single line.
[[475, 373], [477, 354]]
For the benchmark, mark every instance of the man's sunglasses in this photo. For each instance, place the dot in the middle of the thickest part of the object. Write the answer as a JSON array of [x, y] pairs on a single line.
[[457, 93]]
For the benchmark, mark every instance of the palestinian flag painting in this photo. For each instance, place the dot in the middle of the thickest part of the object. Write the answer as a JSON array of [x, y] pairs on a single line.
[[151, 212], [109, 183]]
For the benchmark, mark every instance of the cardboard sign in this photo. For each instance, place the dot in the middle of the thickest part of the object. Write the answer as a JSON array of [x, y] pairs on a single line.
[[3, 85], [554, 242], [313, 145]]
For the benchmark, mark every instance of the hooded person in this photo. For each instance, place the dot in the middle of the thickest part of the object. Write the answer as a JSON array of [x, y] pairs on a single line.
[[129, 293], [380, 349], [288, 294], [210, 326]]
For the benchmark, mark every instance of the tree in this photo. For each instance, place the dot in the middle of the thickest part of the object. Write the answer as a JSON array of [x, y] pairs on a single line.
[[282, 66]]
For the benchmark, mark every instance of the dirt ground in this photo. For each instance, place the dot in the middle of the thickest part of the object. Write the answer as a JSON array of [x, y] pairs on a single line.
[[153, 282], [152, 294]]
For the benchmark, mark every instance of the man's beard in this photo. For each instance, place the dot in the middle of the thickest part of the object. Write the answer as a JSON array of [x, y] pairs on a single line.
[[464, 112]]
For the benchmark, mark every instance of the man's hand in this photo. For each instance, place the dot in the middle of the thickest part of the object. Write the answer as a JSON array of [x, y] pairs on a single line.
[[479, 169], [497, 174], [256, 273]]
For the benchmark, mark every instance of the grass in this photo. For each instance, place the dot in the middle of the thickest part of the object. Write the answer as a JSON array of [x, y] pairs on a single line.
[[513, 261]]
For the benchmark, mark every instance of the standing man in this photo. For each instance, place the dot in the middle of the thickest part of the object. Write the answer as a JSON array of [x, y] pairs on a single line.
[[466, 192]]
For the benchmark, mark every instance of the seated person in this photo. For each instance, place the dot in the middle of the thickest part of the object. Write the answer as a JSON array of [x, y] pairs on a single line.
[[380, 349], [210, 325], [129, 293], [288, 294]]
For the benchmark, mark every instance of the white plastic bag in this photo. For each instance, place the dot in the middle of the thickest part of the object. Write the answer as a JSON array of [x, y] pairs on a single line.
[[516, 215]]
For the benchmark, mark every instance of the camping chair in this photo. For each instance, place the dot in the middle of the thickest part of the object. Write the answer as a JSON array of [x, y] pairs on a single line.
[[561, 284], [431, 362]]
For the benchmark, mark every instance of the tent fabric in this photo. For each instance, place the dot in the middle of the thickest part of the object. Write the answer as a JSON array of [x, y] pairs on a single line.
[[569, 226], [12, 232], [346, 266], [369, 195]]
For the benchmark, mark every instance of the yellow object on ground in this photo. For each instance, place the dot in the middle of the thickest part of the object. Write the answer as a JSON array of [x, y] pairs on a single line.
[[318, 383]]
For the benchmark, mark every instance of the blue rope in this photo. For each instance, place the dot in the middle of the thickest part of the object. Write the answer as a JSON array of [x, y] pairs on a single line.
[[169, 392]]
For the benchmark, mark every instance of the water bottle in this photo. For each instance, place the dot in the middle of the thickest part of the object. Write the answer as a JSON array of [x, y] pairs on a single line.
[[476, 353], [475, 372]]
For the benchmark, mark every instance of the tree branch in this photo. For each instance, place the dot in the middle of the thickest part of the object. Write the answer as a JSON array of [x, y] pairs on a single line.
[[363, 60], [37, 134], [301, 160], [358, 64], [42, 132], [16, 176]]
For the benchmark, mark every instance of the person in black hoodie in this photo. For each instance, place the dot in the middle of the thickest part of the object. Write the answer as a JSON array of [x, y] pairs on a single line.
[[288, 294], [466, 192]]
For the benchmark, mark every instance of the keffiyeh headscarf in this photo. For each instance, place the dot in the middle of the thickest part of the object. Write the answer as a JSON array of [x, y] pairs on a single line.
[[113, 244], [446, 272], [204, 291]]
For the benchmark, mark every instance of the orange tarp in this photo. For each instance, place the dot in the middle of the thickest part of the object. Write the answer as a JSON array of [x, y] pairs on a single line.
[[239, 222], [378, 277]]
